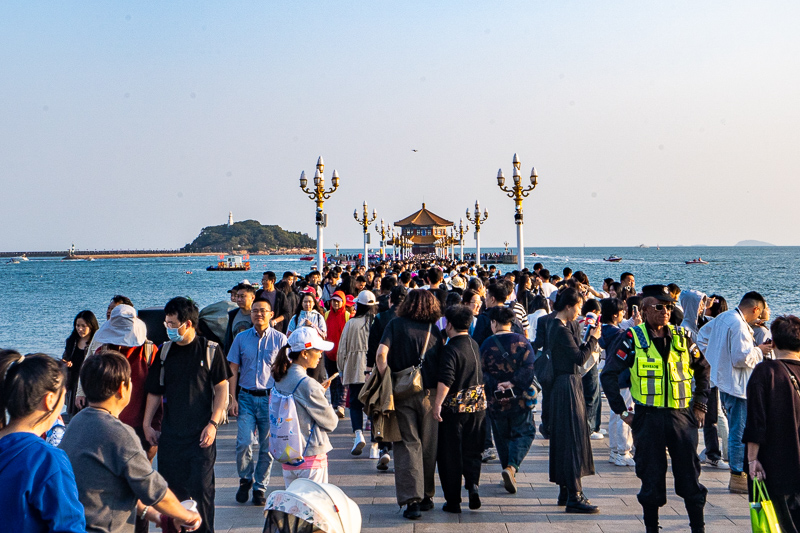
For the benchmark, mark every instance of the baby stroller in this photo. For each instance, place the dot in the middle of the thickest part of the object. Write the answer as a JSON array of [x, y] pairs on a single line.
[[308, 507]]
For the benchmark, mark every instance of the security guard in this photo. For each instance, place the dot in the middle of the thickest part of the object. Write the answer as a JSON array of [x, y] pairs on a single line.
[[663, 360]]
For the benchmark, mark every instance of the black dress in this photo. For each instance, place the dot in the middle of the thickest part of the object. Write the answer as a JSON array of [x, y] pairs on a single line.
[[570, 447], [74, 355]]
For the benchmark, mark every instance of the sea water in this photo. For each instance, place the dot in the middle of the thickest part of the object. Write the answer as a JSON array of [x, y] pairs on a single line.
[[40, 298]]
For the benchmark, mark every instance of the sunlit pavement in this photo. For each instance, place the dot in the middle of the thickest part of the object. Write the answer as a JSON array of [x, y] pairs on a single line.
[[532, 508]]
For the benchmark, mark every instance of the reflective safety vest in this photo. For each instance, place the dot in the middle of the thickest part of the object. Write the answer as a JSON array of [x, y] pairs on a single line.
[[650, 383]]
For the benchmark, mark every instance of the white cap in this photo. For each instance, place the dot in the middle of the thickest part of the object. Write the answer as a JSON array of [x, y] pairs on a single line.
[[308, 339], [366, 298]]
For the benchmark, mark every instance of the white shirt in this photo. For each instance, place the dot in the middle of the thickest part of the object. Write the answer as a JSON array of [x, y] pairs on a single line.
[[727, 343]]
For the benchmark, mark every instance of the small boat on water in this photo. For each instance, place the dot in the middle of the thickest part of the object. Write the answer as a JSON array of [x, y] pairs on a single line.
[[12, 261], [231, 263], [698, 261], [612, 259], [307, 258]]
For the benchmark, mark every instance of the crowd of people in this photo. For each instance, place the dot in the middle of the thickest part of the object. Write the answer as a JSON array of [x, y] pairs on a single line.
[[438, 364]]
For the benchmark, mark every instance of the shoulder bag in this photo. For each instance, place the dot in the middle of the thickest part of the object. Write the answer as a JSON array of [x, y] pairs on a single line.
[[408, 381]]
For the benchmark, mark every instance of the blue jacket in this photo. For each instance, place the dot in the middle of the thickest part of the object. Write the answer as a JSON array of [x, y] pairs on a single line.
[[611, 338], [37, 487]]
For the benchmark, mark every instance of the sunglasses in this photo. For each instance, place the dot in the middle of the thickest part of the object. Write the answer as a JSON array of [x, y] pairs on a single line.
[[662, 307]]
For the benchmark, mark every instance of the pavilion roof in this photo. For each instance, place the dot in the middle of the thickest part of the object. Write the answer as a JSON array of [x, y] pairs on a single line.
[[423, 218]]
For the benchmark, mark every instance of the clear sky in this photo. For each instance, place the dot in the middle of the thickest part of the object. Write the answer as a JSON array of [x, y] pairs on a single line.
[[135, 124]]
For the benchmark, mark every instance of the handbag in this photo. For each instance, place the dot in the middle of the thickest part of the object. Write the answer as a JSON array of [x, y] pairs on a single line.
[[469, 400], [408, 382], [762, 513]]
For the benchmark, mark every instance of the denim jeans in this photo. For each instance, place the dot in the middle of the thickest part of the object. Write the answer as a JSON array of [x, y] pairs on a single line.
[[253, 419], [591, 394], [737, 416], [336, 388], [513, 435]]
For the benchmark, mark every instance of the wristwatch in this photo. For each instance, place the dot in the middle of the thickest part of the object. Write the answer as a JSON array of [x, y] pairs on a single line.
[[625, 415]]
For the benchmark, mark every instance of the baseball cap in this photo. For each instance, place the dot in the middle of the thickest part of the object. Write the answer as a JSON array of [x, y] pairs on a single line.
[[308, 339], [366, 298], [349, 301]]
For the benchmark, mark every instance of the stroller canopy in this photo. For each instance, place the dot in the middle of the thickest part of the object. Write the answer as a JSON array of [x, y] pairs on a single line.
[[307, 506]]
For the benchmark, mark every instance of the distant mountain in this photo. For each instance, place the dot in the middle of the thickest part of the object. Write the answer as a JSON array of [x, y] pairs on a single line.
[[248, 235], [753, 243]]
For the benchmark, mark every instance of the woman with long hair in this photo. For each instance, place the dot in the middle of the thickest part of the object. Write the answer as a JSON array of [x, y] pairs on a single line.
[[570, 447], [308, 315], [412, 340], [37, 485], [83, 329], [351, 361], [315, 415]]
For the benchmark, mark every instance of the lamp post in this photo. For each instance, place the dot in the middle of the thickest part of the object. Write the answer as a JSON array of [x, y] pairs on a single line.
[[319, 195], [517, 193], [452, 239], [365, 221], [382, 231], [459, 231], [477, 220]]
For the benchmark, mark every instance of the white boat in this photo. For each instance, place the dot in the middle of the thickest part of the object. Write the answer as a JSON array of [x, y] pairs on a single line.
[[23, 257]]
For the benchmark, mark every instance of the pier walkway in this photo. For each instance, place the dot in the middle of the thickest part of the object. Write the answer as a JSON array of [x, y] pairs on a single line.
[[532, 509]]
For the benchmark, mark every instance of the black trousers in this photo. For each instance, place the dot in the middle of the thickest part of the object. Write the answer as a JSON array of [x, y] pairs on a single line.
[[189, 472], [545, 399], [656, 431], [461, 437], [710, 427]]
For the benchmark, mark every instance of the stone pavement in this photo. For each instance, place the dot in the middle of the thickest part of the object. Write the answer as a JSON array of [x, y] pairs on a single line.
[[533, 508]]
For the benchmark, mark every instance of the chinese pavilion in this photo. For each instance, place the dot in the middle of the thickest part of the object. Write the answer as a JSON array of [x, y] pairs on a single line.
[[423, 229]]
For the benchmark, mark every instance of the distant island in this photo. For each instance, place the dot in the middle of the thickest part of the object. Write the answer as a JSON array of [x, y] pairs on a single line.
[[753, 243], [249, 235]]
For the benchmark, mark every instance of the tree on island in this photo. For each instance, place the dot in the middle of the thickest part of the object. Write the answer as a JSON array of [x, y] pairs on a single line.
[[248, 235]]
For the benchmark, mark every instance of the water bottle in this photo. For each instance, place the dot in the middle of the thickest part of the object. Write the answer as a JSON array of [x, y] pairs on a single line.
[[589, 322]]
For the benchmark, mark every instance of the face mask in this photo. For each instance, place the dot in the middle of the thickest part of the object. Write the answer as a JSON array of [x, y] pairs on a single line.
[[173, 334]]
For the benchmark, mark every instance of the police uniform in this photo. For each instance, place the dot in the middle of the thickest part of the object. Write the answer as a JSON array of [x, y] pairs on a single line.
[[662, 369]]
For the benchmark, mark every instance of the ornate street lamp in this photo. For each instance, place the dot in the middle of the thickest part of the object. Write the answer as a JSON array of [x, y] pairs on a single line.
[[459, 231], [319, 195], [478, 220], [382, 230], [365, 221], [517, 193], [393, 237]]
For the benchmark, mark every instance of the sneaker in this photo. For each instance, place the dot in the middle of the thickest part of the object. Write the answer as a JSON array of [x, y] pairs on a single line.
[[603, 431], [412, 511], [717, 463], [738, 483], [510, 480], [243, 494], [374, 452], [624, 459], [612, 457], [340, 412], [489, 454], [259, 498], [597, 436], [426, 504], [383, 462], [358, 443]]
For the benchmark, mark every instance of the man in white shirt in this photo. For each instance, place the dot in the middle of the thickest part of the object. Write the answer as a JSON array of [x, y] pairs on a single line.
[[546, 288], [727, 343]]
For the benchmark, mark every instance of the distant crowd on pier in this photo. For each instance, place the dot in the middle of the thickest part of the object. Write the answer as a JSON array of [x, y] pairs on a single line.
[[437, 364]]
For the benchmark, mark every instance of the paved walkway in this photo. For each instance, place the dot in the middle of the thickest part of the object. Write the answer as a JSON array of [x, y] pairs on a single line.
[[533, 508]]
